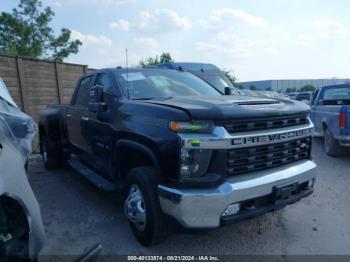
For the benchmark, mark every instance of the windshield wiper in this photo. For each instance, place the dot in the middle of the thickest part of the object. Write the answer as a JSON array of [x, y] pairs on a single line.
[[153, 98], [164, 98], [143, 98]]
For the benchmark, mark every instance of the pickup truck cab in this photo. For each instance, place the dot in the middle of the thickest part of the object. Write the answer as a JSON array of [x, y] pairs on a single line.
[[179, 151], [330, 113]]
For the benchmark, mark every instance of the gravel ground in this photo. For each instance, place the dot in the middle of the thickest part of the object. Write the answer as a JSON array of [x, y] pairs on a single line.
[[77, 216]]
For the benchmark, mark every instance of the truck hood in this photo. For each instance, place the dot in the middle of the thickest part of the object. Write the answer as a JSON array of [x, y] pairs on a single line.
[[231, 107]]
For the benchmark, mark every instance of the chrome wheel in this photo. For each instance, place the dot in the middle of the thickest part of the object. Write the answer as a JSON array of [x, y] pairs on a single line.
[[134, 208]]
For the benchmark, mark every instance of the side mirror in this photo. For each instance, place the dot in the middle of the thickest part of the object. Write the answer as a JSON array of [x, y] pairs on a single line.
[[228, 91], [96, 94], [96, 104]]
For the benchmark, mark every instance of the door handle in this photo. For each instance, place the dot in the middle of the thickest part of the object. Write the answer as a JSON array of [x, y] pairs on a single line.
[[83, 123], [68, 115]]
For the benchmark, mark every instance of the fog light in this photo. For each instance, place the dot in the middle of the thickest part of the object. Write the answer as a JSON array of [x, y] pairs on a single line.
[[231, 210]]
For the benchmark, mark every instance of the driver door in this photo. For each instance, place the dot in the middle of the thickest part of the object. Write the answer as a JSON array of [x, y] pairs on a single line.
[[98, 132], [77, 111]]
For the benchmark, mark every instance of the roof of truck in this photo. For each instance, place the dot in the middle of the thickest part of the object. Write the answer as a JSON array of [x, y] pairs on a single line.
[[337, 85], [190, 66]]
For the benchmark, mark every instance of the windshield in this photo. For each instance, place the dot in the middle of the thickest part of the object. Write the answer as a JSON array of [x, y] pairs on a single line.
[[219, 82], [162, 84]]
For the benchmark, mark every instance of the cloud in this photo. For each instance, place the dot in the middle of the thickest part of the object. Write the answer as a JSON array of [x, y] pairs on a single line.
[[227, 26], [121, 24], [238, 49], [97, 51], [157, 21], [57, 3], [89, 40], [229, 16], [147, 42], [306, 41], [236, 46], [162, 20], [321, 30], [228, 44], [328, 27], [98, 3]]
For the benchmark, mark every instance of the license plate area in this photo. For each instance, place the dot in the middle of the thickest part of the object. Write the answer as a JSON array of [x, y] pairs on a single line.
[[285, 193]]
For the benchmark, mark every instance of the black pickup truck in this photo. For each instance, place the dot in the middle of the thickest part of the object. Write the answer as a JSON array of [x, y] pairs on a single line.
[[179, 151]]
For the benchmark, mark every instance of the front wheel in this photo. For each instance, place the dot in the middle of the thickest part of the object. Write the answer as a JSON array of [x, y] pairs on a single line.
[[331, 145], [142, 208]]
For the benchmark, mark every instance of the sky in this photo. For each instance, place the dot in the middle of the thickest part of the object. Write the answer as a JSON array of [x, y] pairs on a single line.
[[256, 39]]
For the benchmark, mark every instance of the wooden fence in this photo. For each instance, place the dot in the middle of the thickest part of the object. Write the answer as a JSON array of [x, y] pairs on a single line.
[[35, 83]]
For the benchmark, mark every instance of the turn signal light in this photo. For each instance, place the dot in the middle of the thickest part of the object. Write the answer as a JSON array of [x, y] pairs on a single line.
[[175, 126], [192, 127]]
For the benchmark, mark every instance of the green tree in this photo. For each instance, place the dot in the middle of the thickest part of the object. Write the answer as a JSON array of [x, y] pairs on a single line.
[[268, 88], [291, 90], [165, 58], [230, 75], [307, 88], [151, 61], [26, 32], [252, 88], [240, 87]]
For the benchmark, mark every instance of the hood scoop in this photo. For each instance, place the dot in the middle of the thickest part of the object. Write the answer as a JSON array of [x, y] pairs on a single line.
[[253, 103]]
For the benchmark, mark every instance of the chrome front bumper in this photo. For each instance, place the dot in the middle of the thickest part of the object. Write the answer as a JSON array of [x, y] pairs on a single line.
[[203, 208]]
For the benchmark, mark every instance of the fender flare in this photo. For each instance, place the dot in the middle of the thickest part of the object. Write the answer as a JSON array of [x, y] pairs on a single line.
[[44, 129], [51, 124], [137, 146], [324, 125]]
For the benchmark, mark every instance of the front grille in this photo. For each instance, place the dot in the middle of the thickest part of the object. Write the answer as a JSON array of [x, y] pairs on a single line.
[[250, 159], [263, 201], [263, 123], [261, 205]]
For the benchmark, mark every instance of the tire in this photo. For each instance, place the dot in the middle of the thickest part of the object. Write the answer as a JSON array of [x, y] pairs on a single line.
[[331, 145], [142, 208], [13, 225], [52, 158]]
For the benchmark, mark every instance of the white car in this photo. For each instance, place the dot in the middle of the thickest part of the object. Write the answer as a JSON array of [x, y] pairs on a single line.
[[21, 226]]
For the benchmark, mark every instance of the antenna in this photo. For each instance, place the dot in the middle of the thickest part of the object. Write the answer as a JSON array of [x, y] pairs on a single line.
[[201, 61], [127, 65], [127, 72]]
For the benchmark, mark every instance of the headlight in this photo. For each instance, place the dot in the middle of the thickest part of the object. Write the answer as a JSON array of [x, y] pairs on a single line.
[[194, 162], [192, 127]]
